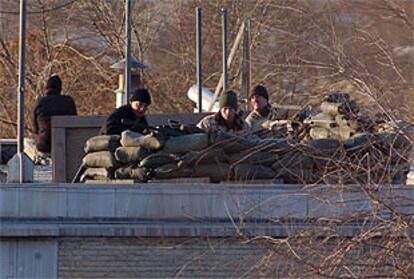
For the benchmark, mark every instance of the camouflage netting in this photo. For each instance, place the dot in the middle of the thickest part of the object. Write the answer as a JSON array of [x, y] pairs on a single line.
[[337, 145]]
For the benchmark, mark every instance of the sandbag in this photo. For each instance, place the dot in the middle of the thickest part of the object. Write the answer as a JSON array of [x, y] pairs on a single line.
[[167, 167], [333, 109], [300, 176], [259, 158], [216, 172], [130, 138], [318, 133], [169, 171], [123, 173], [102, 143], [342, 121], [185, 143], [231, 143], [330, 108], [324, 145], [361, 140], [158, 159], [275, 146], [323, 153], [96, 174], [208, 156], [131, 154], [322, 120], [394, 140], [244, 172], [341, 133], [150, 141], [100, 159], [140, 174], [294, 159]]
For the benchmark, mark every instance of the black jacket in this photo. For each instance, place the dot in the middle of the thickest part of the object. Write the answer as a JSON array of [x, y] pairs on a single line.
[[123, 118], [50, 105]]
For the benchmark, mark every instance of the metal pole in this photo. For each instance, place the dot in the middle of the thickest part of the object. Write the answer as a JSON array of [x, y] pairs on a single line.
[[199, 58], [245, 82], [232, 54], [224, 23], [20, 89], [1, 20], [127, 51]]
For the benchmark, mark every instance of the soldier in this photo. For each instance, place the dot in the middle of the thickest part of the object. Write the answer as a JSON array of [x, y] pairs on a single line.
[[226, 119], [263, 115], [130, 116], [47, 106]]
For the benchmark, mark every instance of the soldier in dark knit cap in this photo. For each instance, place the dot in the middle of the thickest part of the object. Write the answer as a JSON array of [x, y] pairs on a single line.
[[47, 106], [130, 116], [263, 112], [226, 119]]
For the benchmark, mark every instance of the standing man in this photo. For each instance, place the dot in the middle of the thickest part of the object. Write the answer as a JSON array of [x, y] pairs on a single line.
[[226, 119], [263, 113], [130, 116], [52, 104]]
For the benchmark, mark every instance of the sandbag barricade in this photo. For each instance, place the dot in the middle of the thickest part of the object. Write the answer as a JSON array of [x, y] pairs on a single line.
[[100, 161], [219, 156], [358, 158]]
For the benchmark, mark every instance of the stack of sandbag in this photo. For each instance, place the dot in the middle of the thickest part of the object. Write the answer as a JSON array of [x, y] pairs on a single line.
[[198, 155], [255, 162], [381, 158], [219, 156], [306, 163], [99, 160], [241, 158], [378, 157], [158, 156], [337, 119]]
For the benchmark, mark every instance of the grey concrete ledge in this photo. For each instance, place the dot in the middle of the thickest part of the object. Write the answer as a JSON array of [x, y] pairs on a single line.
[[194, 209], [174, 229]]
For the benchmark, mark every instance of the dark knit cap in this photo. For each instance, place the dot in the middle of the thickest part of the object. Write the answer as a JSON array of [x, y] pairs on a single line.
[[228, 99], [141, 95], [54, 82], [260, 90]]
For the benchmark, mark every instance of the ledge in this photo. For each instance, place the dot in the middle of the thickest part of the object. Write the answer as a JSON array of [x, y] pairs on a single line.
[[163, 210]]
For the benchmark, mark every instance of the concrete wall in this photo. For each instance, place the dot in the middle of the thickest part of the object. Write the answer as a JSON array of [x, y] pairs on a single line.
[[173, 210], [141, 230], [212, 258], [28, 258], [157, 258]]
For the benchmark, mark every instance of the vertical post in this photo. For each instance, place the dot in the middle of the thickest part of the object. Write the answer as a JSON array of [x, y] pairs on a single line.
[[20, 89], [224, 26], [1, 21], [199, 58], [245, 87], [232, 54], [127, 51]]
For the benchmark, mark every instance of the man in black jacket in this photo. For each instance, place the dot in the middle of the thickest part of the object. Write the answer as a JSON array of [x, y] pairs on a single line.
[[130, 116], [50, 105]]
